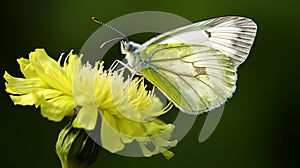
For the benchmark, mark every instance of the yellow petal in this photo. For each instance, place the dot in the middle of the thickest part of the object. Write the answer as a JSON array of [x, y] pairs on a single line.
[[110, 137], [72, 64], [57, 108], [27, 99], [21, 85], [86, 118], [168, 154], [131, 128], [50, 71], [26, 68]]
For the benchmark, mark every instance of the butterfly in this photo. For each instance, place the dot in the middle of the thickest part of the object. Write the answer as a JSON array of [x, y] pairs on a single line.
[[194, 66]]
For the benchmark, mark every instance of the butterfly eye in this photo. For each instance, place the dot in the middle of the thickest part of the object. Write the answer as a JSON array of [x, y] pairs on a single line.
[[130, 47]]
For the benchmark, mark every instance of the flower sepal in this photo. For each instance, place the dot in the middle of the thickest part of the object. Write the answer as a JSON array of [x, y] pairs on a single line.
[[75, 148]]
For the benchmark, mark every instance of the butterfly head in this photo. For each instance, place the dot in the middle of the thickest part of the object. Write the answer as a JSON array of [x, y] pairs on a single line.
[[130, 48]]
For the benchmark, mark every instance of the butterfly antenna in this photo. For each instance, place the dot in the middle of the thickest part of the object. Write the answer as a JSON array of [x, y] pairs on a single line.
[[110, 27], [110, 40]]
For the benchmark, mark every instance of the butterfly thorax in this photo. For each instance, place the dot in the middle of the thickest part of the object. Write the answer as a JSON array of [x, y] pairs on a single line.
[[132, 52]]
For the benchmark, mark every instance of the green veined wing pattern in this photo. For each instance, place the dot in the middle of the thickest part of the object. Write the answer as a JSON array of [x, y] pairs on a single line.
[[195, 78]]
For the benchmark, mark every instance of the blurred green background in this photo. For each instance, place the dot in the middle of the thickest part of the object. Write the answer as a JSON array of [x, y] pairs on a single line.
[[260, 124]]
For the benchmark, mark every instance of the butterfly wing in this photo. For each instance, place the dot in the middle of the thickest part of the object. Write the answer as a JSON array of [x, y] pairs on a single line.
[[232, 35], [196, 78], [195, 65]]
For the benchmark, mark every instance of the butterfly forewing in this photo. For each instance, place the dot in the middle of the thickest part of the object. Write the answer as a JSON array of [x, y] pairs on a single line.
[[196, 78], [232, 35]]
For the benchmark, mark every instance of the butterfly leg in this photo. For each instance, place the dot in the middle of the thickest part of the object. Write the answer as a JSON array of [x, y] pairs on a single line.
[[115, 64]]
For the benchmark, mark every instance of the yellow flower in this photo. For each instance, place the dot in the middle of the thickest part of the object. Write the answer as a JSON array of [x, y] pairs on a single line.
[[128, 112]]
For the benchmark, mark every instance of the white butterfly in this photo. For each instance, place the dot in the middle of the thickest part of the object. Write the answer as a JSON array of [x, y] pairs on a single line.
[[195, 65]]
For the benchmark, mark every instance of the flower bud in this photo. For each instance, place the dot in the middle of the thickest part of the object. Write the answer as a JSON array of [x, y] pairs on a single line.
[[75, 148]]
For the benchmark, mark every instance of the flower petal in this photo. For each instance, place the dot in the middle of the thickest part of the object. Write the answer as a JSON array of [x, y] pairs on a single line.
[[50, 71], [110, 137], [26, 99], [86, 118], [26, 68], [57, 108], [21, 85]]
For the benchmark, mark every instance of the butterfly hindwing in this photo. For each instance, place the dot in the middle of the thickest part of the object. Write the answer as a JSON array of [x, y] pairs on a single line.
[[195, 78]]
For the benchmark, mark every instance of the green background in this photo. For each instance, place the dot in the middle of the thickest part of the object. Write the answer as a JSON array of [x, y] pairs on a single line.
[[260, 124]]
